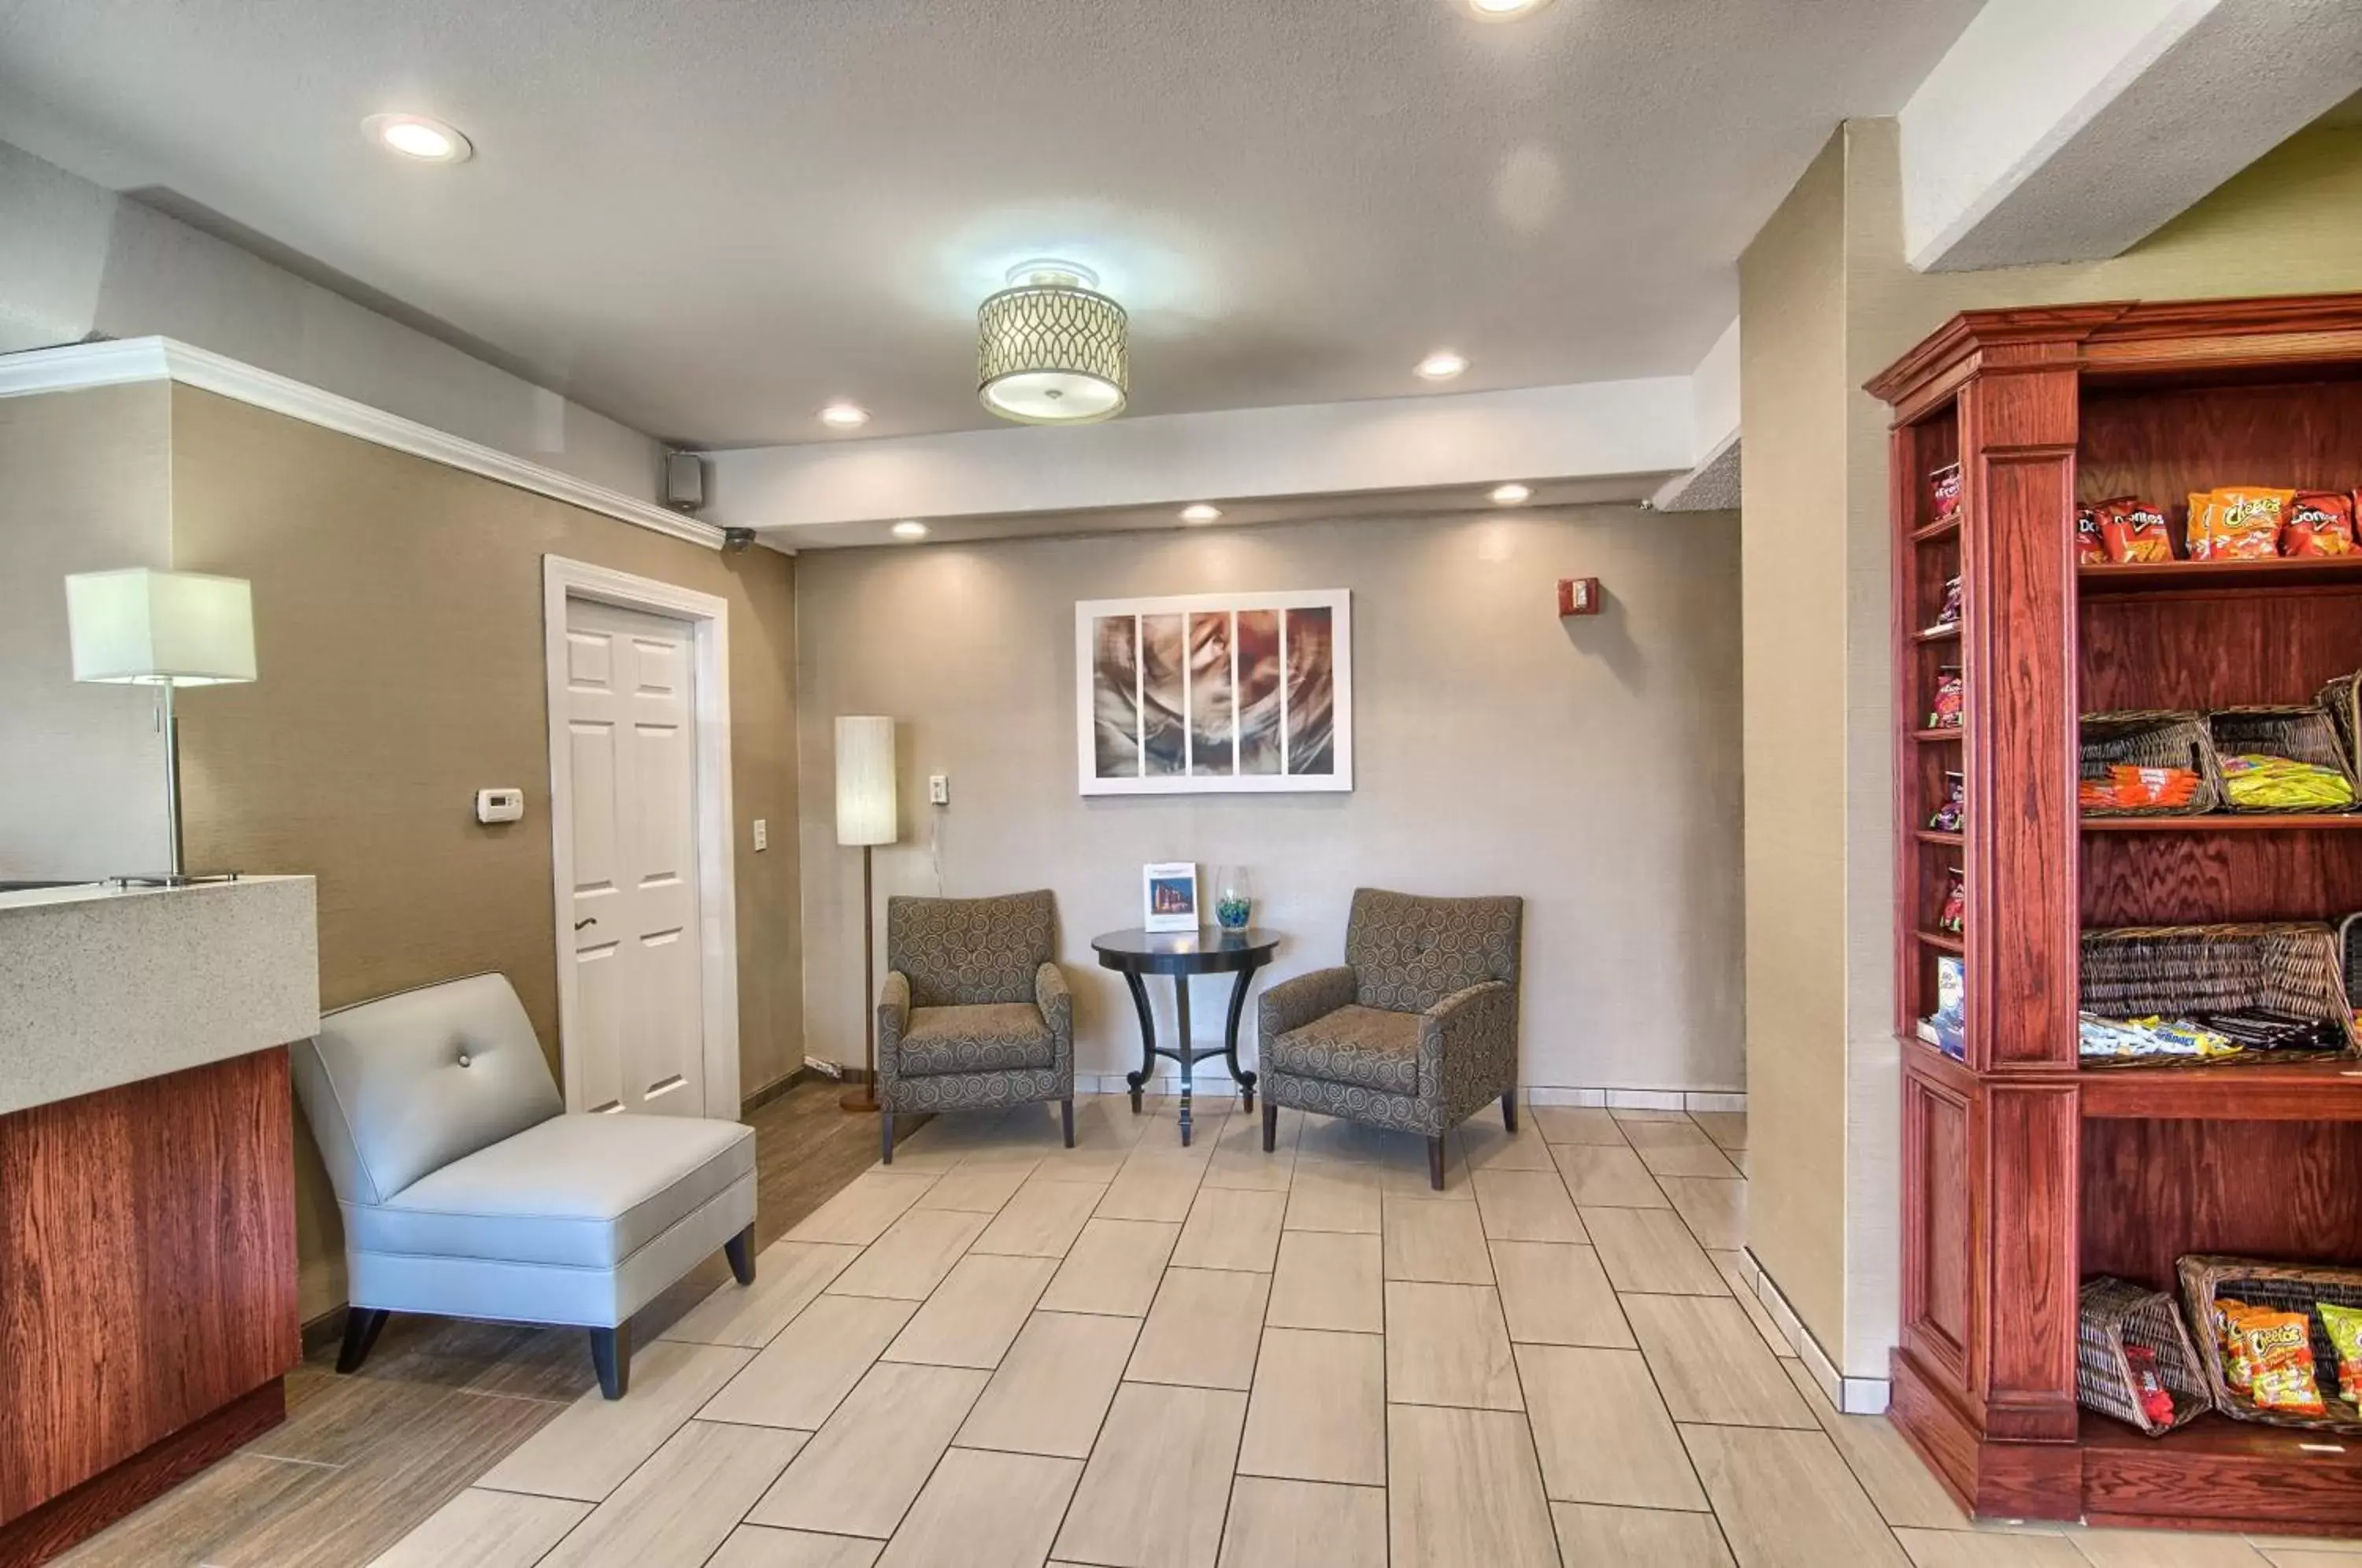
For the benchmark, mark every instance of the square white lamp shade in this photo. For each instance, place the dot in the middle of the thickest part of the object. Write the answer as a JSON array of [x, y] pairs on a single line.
[[160, 628], [865, 781]]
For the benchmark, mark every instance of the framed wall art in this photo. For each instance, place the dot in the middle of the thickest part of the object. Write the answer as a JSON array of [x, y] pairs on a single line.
[[1215, 693]]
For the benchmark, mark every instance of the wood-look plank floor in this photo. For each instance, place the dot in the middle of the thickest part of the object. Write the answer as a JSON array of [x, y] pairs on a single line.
[[1006, 1354]]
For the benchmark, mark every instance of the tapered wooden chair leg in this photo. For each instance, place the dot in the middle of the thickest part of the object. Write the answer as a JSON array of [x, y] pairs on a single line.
[[610, 1354], [361, 1325]]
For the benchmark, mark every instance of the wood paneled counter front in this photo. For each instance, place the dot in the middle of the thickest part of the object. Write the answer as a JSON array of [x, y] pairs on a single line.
[[147, 1190]]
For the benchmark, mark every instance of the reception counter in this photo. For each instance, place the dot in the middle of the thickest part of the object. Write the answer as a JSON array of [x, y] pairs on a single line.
[[146, 1188]]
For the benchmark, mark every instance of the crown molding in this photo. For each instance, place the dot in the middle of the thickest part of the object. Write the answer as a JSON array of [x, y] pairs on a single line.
[[164, 358]]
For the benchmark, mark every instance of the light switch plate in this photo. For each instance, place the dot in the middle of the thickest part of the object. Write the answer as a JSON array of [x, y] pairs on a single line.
[[762, 833], [939, 790]]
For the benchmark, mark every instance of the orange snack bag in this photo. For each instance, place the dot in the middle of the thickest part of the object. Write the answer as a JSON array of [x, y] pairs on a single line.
[[2280, 1361], [2236, 523], [2090, 550], [2133, 532], [2237, 1370], [2319, 523]]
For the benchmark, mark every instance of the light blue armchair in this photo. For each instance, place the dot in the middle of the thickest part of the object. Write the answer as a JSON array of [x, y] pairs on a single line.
[[468, 1192]]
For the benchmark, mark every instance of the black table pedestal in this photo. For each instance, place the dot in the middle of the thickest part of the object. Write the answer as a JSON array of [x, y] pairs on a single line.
[[1182, 955]]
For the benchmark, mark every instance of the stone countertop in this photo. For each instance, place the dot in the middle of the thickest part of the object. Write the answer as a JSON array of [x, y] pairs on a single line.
[[101, 986]]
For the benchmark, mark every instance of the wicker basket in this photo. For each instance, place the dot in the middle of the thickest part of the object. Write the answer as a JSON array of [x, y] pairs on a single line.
[[2284, 1288], [2177, 970], [2151, 738], [2349, 954], [2305, 734], [2342, 700], [2113, 1312]]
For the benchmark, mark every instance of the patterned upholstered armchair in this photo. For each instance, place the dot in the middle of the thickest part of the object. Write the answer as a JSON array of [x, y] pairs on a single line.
[[974, 1013], [1416, 1030]]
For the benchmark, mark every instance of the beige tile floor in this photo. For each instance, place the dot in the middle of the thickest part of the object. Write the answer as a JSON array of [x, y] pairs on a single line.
[[1004, 1354]]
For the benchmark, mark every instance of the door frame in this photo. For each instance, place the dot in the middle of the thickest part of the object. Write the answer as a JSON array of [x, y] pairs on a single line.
[[717, 915]]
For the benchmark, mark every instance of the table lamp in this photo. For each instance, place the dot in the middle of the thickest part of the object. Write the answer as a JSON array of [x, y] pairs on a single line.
[[165, 629], [864, 816]]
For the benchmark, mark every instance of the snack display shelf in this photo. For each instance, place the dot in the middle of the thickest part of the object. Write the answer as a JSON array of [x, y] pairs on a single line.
[[1942, 528], [1951, 634], [1940, 839], [1952, 734], [2222, 1473], [1943, 941], [2231, 821], [2167, 577], [2227, 1091]]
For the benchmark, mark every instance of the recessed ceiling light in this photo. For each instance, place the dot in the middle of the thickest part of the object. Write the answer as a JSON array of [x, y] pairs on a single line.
[[1199, 512], [1442, 365], [418, 137], [842, 415], [1505, 10], [909, 529], [1510, 494]]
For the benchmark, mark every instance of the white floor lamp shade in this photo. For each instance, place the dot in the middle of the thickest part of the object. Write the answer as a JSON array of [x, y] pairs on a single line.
[[143, 627], [865, 817], [865, 781]]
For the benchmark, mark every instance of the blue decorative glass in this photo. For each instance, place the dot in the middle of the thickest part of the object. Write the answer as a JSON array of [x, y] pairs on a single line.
[[1233, 901]]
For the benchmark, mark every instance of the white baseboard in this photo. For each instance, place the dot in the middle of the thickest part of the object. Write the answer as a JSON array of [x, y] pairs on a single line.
[[1854, 1396], [1213, 1082]]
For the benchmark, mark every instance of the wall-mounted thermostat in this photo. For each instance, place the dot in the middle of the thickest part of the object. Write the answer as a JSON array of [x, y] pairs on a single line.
[[499, 805]]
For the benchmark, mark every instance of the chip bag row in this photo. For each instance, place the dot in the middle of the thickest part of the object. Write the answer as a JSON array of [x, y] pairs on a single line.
[[2257, 522], [2230, 522], [2267, 1355]]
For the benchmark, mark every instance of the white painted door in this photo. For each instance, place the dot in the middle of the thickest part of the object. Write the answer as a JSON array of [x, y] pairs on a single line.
[[638, 1024]]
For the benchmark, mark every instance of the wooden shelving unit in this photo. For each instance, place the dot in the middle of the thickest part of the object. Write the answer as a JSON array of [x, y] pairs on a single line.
[[2024, 1172]]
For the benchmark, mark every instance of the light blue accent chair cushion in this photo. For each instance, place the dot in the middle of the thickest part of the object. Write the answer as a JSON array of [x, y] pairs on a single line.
[[466, 1189]]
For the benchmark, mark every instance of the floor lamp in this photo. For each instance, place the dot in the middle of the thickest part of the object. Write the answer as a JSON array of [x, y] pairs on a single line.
[[165, 629], [864, 816]]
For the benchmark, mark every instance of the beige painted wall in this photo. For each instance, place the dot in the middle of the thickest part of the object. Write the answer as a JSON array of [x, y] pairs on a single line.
[[1591, 767], [398, 609], [84, 486], [1792, 408], [2292, 224]]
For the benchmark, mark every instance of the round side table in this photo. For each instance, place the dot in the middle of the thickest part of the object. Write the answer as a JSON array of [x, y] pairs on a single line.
[[1208, 950]]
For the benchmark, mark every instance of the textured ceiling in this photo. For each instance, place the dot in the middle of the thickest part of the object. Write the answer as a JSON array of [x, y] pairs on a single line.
[[706, 217]]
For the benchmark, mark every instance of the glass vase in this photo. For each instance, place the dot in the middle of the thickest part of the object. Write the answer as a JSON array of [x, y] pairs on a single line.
[[1233, 897]]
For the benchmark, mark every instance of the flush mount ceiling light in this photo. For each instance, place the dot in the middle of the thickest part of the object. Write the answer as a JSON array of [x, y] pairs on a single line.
[[1050, 349], [1503, 10], [1510, 494], [418, 137], [1200, 511], [843, 415], [1441, 366], [909, 529]]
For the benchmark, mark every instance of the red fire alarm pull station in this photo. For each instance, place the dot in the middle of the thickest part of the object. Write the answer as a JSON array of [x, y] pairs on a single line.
[[1578, 596]]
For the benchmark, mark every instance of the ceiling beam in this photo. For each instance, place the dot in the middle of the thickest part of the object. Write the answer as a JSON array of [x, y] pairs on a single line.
[[2055, 132], [1535, 434]]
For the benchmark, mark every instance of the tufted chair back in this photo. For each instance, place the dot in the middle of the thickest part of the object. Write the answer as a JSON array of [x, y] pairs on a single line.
[[399, 1087], [1409, 953], [964, 952]]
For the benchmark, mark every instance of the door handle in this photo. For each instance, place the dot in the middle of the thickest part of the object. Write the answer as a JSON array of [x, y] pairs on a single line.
[[586, 920]]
